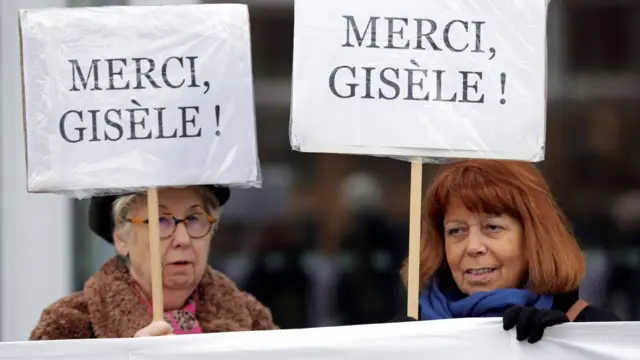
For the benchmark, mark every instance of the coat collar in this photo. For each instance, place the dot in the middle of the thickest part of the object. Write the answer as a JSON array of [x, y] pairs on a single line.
[[563, 302], [116, 312]]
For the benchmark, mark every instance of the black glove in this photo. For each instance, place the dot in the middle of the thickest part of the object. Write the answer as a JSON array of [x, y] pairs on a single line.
[[531, 322], [402, 318]]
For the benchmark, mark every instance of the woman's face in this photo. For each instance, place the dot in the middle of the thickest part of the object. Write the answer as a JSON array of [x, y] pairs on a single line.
[[484, 252], [184, 258]]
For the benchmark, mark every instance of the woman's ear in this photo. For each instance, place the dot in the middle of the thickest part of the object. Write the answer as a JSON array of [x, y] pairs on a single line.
[[122, 247]]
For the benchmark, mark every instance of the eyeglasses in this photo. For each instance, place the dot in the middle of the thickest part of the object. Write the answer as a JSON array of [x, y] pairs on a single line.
[[197, 225]]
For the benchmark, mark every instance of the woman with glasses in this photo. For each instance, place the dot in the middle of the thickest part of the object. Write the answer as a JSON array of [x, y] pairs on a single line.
[[116, 301]]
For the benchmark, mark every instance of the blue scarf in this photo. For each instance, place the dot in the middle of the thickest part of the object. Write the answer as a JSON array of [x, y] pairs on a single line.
[[435, 305]]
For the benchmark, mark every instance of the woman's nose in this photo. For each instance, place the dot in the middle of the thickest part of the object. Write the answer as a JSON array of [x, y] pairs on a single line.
[[181, 236], [475, 243]]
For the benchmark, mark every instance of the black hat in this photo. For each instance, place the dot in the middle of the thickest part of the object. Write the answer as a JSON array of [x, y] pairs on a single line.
[[101, 217]]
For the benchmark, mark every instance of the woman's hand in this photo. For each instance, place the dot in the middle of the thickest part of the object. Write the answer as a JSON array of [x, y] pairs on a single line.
[[531, 322], [156, 328]]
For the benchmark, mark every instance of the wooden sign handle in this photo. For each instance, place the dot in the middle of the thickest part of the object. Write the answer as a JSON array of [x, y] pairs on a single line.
[[154, 255], [415, 201]]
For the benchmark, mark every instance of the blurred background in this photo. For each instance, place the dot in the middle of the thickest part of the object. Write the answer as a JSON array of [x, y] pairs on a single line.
[[321, 243]]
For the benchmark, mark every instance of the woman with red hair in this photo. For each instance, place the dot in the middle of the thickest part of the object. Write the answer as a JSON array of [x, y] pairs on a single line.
[[495, 244]]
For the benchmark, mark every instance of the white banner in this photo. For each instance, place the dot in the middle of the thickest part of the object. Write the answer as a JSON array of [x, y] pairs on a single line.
[[437, 78], [474, 339], [133, 97]]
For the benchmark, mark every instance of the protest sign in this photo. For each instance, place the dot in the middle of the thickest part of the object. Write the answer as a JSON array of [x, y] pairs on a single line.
[[120, 99], [409, 78], [420, 81], [135, 97], [477, 339]]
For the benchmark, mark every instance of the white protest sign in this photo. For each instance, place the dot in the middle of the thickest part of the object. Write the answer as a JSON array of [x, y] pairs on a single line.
[[477, 339], [134, 97], [438, 78]]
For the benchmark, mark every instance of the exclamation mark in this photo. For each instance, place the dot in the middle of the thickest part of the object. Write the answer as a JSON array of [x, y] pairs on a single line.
[[218, 119], [503, 81]]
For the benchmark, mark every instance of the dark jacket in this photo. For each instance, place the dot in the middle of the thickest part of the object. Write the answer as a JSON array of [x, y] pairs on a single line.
[[564, 302]]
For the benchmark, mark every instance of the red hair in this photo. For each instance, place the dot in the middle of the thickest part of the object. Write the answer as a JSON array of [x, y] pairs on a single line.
[[514, 188]]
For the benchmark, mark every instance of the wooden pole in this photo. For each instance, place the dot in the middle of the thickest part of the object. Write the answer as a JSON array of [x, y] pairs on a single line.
[[415, 201], [154, 255]]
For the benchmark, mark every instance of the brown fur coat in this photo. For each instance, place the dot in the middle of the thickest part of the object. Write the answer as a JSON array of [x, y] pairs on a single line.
[[109, 308]]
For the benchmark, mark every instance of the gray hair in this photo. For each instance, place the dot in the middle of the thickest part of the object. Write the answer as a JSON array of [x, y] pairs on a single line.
[[122, 206]]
